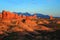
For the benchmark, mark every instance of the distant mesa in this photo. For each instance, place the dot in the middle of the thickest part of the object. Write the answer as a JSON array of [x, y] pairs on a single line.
[[37, 14]]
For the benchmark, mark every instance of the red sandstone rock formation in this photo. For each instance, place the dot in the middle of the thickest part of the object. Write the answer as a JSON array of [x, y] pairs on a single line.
[[0, 15], [51, 17], [28, 25], [4, 14]]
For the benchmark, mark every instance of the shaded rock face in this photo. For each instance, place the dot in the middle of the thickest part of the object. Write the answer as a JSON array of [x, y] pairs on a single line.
[[32, 36]]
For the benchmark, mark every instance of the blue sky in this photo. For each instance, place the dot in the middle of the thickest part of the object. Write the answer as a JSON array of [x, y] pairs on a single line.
[[48, 7]]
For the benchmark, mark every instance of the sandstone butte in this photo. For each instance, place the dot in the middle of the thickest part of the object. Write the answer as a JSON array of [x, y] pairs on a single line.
[[18, 23]]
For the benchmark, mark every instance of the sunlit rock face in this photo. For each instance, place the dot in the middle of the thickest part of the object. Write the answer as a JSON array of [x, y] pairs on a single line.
[[58, 22], [16, 22], [0, 15], [11, 22], [21, 27], [51, 17], [8, 15]]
